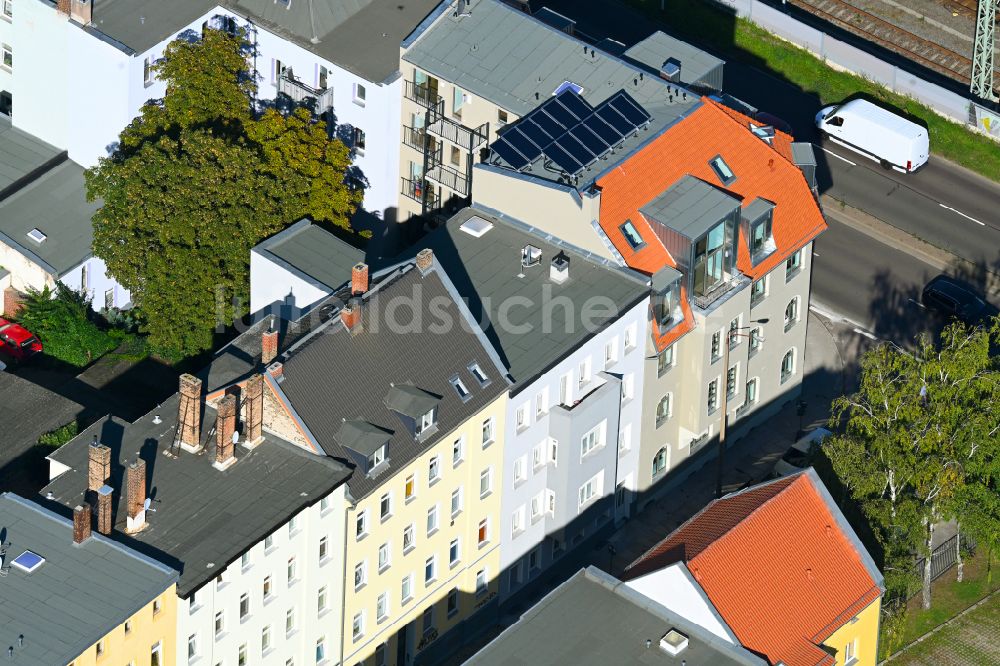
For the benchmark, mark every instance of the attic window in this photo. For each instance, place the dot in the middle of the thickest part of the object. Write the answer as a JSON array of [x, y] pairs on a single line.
[[476, 226], [460, 388], [28, 561], [568, 85], [426, 422], [37, 235], [722, 170], [478, 373], [673, 642], [632, 235], [377, 458]]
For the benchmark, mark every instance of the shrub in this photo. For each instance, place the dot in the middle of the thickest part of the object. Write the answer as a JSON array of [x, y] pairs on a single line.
[[60, 435], [62, 321]]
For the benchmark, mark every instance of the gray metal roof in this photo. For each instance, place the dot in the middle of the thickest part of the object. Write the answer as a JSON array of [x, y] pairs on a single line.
[[594, 620], [410, 401], [757, 208], [205, 518], [79, 594], [697, 66], [691, 207], [333, 375], [20, 155], [665, 277], [803, 154], [314, 251], [55, 203], [362, 36], [486, 273]]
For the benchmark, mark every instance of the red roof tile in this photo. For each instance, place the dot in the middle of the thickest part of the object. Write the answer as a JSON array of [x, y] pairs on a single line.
[[776, 565], [761, 170]]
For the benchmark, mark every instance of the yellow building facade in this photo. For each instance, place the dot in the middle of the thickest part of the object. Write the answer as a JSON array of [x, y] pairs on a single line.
[[856, 643], [147, 638], [423, 550]]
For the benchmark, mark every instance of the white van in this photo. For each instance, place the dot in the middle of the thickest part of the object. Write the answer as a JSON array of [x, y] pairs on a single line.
[[893, 142]]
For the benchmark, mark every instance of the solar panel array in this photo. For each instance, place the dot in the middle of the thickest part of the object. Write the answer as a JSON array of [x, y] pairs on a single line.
[[570, 132]]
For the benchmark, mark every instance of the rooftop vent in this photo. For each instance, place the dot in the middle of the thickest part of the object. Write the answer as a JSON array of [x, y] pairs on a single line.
[[673, 642], [559, 270], [28, 561], [476, 226], [37, 235], [531, 256]]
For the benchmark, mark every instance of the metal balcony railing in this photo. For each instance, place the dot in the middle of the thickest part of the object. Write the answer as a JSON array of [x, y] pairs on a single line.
[[460, 135], [422, 95], [300, 92], [729, 284], [414, 137], [420, 192], [449, 178]]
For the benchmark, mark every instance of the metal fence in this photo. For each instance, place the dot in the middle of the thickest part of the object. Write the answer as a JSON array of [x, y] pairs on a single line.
[[841, 55], [943, 558]]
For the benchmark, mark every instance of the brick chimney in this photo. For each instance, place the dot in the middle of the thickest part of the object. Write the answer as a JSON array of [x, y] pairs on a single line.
[[254, 416], [135, 489], [276, 369], [425, 259], [189, 413], [81, 10], [99, 467], [104, 510], [350, 315], [81, 522], [359, 279], [268, 345], [63, 7], [225, 428]]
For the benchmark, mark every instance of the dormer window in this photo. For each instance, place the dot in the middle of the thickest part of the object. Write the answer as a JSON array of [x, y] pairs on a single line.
[[666, 298], [757, 217], [377, 458], [427, 421], [417, 408], [722, 170], [366, 444]]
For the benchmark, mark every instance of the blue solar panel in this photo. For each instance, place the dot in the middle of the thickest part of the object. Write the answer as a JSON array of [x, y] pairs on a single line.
[[535, 133], [615, 119], [576, 149], [564, 160], [575, 104], [522, 143], [610, 135], [508, 154], [552, 126], [622, 102], [560, 113], [590, 139]]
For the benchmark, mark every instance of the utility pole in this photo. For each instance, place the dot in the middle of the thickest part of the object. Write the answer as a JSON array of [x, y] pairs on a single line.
[[982, 52]]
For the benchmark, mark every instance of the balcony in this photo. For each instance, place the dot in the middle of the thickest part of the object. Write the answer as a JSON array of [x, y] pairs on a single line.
[[460, 135], [414, 137], [422, 95], [450, 178], [420, 192], [728, 286], [322, 100]]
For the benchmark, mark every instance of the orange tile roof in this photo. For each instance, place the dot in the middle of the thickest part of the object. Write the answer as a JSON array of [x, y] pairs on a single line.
[[761, 170], [776, 565]]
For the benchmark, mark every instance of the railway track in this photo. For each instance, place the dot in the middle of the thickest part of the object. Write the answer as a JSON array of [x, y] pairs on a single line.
[[962, 7], [876, 29]]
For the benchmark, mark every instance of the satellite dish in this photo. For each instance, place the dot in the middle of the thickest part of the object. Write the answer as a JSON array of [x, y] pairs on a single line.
[[146, 505], [236, 437]]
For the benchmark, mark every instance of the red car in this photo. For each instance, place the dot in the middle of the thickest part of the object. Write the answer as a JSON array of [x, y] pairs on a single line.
[[18, 341]]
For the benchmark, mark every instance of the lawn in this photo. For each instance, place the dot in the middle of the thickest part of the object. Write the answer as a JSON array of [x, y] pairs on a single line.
[[970, 640], [748, 42]]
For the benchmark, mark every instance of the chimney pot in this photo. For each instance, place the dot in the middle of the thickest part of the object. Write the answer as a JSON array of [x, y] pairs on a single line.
[[276, 369], [254, 417], [559, 269], [350, 315], [81, 523], [104, 510], [135, 489], [189, 413], [225, 429], [425, 259], [268, 346], [99, 468], [359, 279]]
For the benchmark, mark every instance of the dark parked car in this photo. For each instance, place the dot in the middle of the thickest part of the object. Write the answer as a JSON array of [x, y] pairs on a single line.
[[952, 298]]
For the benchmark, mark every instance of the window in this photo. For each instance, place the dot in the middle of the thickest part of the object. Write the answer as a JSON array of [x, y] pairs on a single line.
[[8, 12], [409, 488], [514, 575], [289, 621], [457, 451], [244, 606], [265, 639], [664, 361], [322, 78], [630, 337], [564, 384], [631, 235], [359, 94], [241, 659], [290, 570], [109, 298], [628, 387], [156, 654], [482, 583], [320, 650], [456, 156], [384, 557], [850, 652], [428, 621], [488, 427], [533, 560], [591, 489], [751, 395], [792, 265], [553, 450], [360, 574], [426, 422], [519, 470], [732, 337], [536, 507], [385, 506], [760, 234], [268, 542], [220, 623], [484, 531], [711, 263], [584, 372], [478, 373], [791, 313], [147, 72], [538, 455], [550, 502], [278, 70], [521, 417], [660, 461], [321, 600], [593, 439], [517, 521], [268, 589], [713, 395], [377, 458], [722, 170], [454, 552], [758, 290], [501, 118], [430, 570], [293, 525], [787, 365], [432, 520], [610, 352], [625, 439], [731, 381], [324, 548], [99, 648], [452, 602], [457, 102], [192, 646], [662, 410], [756, 338], [486, 482], [406, 589], [716, 346], [8, 57], [456, 502], [245, 561], [381, 607], [358, 140], [358, 625]]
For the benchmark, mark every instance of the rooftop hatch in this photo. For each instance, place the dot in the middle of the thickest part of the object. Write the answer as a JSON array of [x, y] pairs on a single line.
[[37, 235], [673, 642], [28, 561], [476, 226]]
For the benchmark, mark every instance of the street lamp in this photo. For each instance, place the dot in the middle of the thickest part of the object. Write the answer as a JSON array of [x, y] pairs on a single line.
[[730, 335]]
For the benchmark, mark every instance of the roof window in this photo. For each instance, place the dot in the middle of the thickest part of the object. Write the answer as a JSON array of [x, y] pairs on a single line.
[[673, 642], [460, 388], [568, 85], [478, 373], [37, 235], [632, 235], [476, 226], [28, 561], [722, 170]]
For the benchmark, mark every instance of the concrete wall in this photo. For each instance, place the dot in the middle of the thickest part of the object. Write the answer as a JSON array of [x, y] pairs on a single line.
[[24, 273], [863, 634]]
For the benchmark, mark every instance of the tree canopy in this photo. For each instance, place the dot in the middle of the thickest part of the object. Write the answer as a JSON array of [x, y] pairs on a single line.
[[197, 180]]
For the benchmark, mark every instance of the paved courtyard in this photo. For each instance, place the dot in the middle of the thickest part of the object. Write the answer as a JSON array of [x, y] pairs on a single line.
[[971, 640]]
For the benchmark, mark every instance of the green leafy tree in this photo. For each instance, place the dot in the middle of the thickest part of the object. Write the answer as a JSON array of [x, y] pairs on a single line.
[[61, 320], [197, 180]]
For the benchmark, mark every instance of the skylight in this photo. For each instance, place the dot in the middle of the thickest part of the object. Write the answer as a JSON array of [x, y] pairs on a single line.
[[722, 170], [37, 235], [568, 85], [460, 388], [478, 373], [28, 561], [632, 235], [476, 226]]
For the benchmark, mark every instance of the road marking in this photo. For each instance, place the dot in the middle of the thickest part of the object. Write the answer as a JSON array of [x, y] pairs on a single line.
[[861, 331], [958, 212], [837, 156], [918, 304]]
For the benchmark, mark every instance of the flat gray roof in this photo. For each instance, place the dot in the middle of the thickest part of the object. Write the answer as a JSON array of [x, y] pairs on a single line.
[[205, 518], [79, 594], [55, 203], [690, 207], [415, 332], [315, 252], [696, 65], [362, 36], [594, 620], [20, 155], [486, 273]]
